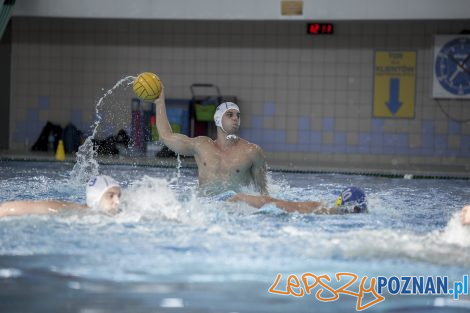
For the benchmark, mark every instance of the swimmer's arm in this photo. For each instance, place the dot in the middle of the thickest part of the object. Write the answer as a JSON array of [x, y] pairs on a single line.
[[254, 201], [258, 172], [288, 206], [179, 143], [17, 208], [465, 215]]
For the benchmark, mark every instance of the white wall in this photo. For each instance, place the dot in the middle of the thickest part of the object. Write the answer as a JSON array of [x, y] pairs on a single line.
[[245, 9], [303, 98]]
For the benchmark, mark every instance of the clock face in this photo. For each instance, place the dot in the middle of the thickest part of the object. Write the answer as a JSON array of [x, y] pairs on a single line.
[[452, 66]]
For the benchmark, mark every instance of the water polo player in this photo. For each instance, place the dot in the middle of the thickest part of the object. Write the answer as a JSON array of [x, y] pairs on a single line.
[[465, 215], [225, 163], [102, 195], [351, 200]]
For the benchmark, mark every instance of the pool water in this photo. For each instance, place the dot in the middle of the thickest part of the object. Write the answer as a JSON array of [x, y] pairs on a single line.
[[173, 251]]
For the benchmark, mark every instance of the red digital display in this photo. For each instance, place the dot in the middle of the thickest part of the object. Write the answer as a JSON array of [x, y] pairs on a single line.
[[320, 28]]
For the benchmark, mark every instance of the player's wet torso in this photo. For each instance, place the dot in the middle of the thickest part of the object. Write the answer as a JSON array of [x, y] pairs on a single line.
[[226, 166]]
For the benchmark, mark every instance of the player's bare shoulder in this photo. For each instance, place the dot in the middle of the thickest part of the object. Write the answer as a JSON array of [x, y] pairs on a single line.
[[253, 149], [203, 144], [203, 140]]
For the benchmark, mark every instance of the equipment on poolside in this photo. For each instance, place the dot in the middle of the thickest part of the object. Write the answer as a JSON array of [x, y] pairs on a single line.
[[60, 152], [147, 86], [353, 199], [205, 99]]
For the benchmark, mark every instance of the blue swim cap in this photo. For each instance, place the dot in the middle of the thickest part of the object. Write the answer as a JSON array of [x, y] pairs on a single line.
[[353, 199]]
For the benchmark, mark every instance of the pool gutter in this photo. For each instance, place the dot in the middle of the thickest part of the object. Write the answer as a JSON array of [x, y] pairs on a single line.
[[414, 171]]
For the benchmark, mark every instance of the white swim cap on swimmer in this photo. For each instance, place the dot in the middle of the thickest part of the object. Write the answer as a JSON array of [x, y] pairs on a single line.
[[96, 188], [221, 109]]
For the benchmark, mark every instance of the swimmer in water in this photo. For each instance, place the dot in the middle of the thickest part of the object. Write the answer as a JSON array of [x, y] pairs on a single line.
[[465, 215], [102, 194], [351, 200], [228, 161]]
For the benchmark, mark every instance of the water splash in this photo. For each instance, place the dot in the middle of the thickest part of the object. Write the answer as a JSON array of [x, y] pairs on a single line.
[[151, 197], [455, 232], [179, 165], [86, 165]]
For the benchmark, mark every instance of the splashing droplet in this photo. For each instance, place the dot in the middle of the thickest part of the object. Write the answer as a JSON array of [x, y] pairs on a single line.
[[86, 165]]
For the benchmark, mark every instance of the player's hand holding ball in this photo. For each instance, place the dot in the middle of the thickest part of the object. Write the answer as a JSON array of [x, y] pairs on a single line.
[[147, 86]]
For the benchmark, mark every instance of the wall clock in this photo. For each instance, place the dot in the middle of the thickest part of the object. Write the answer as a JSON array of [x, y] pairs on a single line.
[[451, 77]]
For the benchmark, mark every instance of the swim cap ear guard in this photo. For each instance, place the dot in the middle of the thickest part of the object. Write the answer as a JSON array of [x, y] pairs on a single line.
[[219, 113], [352, 200], [96, 187]]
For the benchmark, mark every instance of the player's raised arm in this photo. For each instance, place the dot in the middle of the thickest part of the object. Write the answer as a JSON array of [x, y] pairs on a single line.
[[179, 143], [148, 87]]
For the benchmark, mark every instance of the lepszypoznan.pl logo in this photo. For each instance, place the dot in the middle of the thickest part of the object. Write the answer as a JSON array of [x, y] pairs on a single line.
[[404, 285]]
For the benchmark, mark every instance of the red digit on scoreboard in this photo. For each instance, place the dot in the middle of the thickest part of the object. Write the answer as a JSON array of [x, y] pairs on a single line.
[[313, 29], [320, 28]]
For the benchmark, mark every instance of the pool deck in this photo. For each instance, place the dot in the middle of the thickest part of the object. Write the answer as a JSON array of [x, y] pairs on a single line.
[[399, 170]]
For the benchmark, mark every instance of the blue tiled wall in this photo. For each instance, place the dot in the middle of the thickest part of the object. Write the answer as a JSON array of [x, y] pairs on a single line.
[[375, 142]]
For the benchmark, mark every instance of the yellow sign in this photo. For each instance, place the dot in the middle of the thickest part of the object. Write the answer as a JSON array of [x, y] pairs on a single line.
[[394, 84], [292, 7]]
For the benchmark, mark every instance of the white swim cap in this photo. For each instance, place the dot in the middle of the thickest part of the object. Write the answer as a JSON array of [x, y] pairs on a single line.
[[221, 109], [96, 188]]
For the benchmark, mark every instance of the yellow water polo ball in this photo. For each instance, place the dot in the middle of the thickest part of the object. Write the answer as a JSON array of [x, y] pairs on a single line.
[[147, 86]]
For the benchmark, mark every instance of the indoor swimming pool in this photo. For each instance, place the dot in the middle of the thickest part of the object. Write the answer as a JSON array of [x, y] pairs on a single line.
[[170, 250]]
